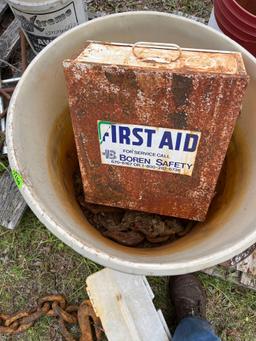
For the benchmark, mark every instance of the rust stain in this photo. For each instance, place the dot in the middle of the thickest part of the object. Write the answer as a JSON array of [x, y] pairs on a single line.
[[212, 62], [119, 297], [200, 92], [181, 88], [179, 119]]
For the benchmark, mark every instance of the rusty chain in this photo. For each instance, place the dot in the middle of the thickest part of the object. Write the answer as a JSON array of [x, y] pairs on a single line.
[[56, 306]]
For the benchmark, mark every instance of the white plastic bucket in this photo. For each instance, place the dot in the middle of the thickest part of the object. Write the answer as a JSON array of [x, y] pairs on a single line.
[[44, 20], [40, 142], [212, 21]]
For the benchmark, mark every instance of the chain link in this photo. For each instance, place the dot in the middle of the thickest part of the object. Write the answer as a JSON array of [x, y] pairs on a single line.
[[56, 306]]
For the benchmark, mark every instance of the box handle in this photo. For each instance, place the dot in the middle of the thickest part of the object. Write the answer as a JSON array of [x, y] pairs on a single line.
[[158, 46]]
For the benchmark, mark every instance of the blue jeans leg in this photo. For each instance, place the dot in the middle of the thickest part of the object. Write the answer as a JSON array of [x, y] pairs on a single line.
[[194, 329]]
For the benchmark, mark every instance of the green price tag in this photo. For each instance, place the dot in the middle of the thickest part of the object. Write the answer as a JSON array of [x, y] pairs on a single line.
[[17, 178]]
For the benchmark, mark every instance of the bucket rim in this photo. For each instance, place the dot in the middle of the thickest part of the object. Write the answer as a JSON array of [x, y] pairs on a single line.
[[240, 11], [245, 27], [87, 250], [228, 27], [243, 9]]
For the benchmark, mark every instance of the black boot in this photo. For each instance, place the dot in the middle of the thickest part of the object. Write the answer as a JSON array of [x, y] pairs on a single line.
[[188, 296]]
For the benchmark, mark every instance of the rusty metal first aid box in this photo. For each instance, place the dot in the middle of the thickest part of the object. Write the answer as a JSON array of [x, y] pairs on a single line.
[[152, 124]]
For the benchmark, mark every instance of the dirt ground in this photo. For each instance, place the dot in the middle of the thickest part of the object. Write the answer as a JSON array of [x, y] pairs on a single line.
[[33, 262]]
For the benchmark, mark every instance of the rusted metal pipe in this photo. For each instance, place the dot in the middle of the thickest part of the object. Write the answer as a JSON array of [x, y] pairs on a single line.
[[5, 94], [24, 62], [9, 89]]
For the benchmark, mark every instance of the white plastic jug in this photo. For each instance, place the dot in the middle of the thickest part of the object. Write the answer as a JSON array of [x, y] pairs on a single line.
[[44, 20]]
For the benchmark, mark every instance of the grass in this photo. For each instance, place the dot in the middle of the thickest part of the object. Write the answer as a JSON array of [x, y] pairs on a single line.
[[231, 309], [34, 263], [200, 8]]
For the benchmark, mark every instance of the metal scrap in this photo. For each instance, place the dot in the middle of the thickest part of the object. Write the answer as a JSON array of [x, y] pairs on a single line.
[[5, 91], [131, 228], [23, 49], [55, 306], [111, 87], [240, 257]]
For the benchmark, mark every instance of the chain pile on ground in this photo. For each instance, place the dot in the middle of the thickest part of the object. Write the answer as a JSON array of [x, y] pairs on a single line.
[[56, 306]]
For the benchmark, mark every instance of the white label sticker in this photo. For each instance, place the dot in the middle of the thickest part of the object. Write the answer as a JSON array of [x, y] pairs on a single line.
[[144, 147]]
